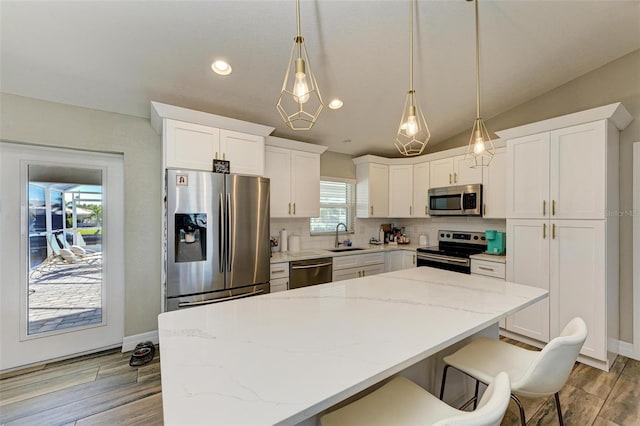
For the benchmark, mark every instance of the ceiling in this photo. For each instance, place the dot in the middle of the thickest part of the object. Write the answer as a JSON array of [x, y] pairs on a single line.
[[120, 55]]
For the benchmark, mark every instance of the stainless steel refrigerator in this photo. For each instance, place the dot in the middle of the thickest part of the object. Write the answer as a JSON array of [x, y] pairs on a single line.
[[217, 238]]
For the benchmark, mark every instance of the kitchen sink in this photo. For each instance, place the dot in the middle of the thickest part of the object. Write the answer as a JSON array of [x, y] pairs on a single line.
[[338, 250]]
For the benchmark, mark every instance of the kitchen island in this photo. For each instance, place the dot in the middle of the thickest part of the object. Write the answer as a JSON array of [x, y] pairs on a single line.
[[286, 357]]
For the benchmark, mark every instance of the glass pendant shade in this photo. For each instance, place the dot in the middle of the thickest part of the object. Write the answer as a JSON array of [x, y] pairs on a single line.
[[299, 103], [480, 150], [413, 133]]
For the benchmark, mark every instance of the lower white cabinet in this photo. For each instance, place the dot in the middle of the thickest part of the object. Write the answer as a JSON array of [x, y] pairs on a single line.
[[357, 266], [491, 269], [279, 277], [570, 259], [399, 259]]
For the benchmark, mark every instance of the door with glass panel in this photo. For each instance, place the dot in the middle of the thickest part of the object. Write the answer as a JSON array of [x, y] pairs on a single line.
[[62, 266]]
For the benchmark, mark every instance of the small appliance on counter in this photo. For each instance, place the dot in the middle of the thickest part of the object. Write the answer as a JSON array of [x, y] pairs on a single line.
[[496, 241]]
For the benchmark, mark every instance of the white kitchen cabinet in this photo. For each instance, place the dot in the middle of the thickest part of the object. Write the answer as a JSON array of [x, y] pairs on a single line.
[[359, 265], [400, 190], [420, 190], [295, 182], [372, 190], [562, 179], [195, 146], [528, 251], [279, 279], [393, 261], [408, 259], [560, 174], [494, 186], [491, 269], [578, 277], [453, 171]]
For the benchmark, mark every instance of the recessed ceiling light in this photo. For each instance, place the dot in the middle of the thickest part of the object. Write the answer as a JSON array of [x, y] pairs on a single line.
[[335, 104], [221, 67]]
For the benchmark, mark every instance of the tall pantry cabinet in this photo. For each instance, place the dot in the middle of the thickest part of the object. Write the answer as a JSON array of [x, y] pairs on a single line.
[[562, 233]]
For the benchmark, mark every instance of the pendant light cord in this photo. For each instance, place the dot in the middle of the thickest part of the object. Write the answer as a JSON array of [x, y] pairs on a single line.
[[299, 37], [411, 91], [477, 64]]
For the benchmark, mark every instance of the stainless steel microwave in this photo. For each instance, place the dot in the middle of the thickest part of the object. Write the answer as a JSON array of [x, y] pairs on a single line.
[[461, 200]]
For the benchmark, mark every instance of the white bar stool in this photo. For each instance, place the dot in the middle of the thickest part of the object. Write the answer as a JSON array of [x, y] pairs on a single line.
[[533, 374], [402, 402]]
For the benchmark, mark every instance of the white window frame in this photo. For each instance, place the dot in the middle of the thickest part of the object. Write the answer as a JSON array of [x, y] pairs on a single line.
[[351, 210]]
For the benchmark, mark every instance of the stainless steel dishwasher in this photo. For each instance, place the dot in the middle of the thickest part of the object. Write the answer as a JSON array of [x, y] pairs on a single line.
[[303, 273]]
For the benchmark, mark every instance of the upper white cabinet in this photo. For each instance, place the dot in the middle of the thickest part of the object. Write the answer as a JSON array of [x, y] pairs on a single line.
[[193, 139], [420, 190], [400, 190], [453, 171], [295, 181], [494, 186], [372, 190], [194, 146]]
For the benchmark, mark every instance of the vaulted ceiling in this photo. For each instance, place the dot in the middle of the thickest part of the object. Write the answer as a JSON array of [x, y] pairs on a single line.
[[119, 55]]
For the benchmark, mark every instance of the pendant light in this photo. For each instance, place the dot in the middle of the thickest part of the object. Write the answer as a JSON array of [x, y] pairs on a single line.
[[299, 103], [480, 150], [413, 133]]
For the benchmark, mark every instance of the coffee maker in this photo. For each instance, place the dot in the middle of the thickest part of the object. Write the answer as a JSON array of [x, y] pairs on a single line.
[[496, 241]]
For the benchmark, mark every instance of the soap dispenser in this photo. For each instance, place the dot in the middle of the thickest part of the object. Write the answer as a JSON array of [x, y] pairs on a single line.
[[381, 236]]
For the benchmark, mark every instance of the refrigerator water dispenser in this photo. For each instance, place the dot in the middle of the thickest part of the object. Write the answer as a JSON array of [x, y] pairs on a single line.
[[191, 237]]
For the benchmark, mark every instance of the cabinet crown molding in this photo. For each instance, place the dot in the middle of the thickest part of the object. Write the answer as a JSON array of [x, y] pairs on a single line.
[[616, 113], [297, 145], [159, 111]]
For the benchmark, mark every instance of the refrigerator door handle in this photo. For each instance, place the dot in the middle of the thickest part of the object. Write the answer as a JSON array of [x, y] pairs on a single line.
[[222, 232], [229, 248]]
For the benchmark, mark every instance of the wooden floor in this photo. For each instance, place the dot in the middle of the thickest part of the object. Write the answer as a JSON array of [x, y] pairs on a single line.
[[102, 389]]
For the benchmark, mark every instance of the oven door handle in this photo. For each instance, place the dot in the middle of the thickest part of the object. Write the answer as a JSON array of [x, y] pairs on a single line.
[[443, 259], [462, 201]]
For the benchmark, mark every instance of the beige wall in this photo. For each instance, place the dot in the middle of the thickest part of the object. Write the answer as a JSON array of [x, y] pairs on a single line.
[[337, 165], [618, 81], [32, 121]]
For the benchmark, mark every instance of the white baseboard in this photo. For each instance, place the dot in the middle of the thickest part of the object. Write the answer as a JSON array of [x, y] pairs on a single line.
[[130, 342], [627, 349]]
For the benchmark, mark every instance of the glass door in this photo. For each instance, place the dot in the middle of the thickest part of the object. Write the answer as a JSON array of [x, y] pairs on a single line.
[[62, 268]]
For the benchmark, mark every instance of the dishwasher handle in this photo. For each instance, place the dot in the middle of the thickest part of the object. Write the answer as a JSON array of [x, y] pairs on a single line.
[[313, 265]]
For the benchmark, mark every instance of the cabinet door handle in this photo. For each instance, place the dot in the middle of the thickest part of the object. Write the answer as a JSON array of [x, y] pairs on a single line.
[[371, 210], [413, 261], [553, 231], [485, 209], [484, 268], [544, 231], [359, 273], [410, 210], [294, 208], [289, 208], [450, 179], [553, 207], [216, 155], [278, 271], [544, 207], [363, 273], [425, 210], [224, 155], [455, 178]]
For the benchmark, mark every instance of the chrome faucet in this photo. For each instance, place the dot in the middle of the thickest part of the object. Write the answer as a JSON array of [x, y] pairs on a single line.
[[345, 230]]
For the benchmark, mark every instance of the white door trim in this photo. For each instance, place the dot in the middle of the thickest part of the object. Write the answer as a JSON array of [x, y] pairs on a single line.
[[16, 348], [636, 249]]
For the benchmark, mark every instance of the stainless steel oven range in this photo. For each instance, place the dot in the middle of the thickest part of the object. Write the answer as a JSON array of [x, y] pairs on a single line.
[[453, 251]]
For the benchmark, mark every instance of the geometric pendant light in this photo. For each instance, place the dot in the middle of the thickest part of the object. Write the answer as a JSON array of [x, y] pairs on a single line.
[[413, 132], [299, 103], [480, 150]]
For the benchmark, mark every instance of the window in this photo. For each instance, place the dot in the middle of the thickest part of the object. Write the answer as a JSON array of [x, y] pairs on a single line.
[[337, 204]]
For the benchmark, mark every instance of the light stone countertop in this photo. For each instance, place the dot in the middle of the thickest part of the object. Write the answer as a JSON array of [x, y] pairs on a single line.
[[289, 256], [283, 357], [490, 257]]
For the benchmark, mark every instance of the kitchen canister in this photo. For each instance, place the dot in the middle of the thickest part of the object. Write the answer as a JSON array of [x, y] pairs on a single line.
[[283, 240], [294, 243]]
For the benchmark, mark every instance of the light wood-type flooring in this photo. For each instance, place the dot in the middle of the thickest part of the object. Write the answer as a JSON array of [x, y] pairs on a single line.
[[102, 389]]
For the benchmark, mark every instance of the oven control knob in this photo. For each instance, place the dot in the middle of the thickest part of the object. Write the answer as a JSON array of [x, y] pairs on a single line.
[[475, 237], [448, 235], [483, 238], [442, 235]]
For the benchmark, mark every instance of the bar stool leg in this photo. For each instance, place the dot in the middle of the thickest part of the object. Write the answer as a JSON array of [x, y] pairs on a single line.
[[557, 397], [519, 404], [475, 395], [444, 378]]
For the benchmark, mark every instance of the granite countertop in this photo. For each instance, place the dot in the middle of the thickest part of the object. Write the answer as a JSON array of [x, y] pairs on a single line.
[[283, 357], [316, 253], [490, 257]]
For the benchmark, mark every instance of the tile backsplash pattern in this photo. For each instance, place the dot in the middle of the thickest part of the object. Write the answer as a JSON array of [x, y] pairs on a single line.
[[367, 228]]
